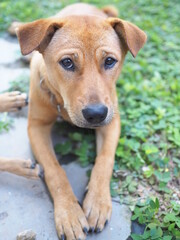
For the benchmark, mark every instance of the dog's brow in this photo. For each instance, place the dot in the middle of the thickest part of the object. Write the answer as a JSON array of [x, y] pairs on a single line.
[[71, 51], [108, 50]]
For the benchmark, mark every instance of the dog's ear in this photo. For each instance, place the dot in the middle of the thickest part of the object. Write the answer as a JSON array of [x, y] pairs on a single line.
[[132, 36], [110, 11], [37, 35]]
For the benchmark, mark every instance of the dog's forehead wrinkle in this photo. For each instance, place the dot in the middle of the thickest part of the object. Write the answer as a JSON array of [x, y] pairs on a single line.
[[88, 28], [65, 38]]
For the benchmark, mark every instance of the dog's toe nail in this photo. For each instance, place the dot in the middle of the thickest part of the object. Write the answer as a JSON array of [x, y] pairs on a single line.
[[33, 165], [85, 230], [27, 101], [80, 203], [98, 230], [85, 192], [19, 108], [41, 173], [91, 230], [63, 237], [106, 222]]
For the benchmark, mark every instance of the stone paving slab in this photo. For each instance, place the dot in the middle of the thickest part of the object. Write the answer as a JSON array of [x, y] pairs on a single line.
[[7, 75], [10, 65], [10, 51], [25, 204]]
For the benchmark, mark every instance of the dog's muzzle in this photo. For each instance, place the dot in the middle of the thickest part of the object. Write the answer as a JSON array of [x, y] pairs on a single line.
[[95, 113]]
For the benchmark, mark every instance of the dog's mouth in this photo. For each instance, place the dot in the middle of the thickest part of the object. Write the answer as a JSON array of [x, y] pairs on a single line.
[[83, 123], [90, 126], [102, 124], [94, 116]]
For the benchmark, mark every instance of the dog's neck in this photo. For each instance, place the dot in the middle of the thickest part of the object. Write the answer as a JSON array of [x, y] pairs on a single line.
[[55, 101], [52, 95]]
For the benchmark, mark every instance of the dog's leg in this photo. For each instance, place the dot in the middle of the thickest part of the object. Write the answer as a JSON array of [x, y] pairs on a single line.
[[69, 217], [25, 168], [97, 204]]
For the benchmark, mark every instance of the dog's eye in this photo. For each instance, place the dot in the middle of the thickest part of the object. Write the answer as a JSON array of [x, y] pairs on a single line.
[[67, 64], [109, 63]]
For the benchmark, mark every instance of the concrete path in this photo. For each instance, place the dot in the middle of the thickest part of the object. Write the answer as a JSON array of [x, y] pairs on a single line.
[[26, 204]]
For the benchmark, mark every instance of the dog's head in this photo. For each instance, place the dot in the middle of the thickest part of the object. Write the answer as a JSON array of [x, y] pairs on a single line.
[[83, 56]]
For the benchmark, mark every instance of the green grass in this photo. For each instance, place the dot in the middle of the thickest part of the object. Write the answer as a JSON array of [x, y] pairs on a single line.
[[5, 122], [21, 84], [147, 167]]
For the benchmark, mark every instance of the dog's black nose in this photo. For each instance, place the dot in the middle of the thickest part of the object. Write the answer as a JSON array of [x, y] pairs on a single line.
[[95, 113]]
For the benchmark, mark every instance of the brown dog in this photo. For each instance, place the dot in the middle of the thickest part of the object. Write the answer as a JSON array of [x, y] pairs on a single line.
[[80, 55]]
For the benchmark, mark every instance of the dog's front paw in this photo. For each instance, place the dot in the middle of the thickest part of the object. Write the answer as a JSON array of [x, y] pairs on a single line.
[[97, 207], [70, 220]]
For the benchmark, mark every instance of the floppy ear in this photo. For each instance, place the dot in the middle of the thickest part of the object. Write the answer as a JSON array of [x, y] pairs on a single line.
[[37, 35], [133, 36], [110, 11]]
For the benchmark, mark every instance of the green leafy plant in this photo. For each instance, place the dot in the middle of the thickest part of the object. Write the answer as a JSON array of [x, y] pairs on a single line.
[[84, 148], [20, 84], [164, 228], [5, 122]]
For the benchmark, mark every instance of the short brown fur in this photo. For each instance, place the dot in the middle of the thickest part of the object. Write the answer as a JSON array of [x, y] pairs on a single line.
[[88, 37]]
